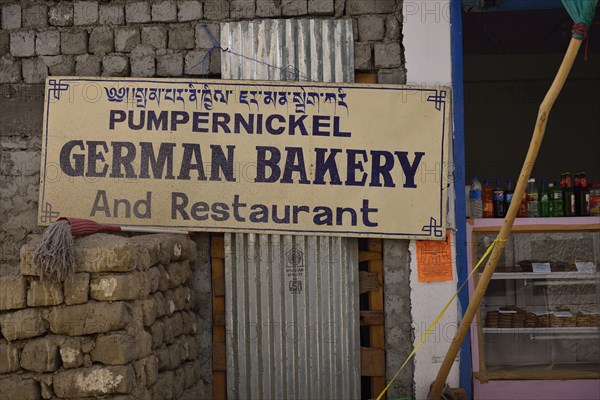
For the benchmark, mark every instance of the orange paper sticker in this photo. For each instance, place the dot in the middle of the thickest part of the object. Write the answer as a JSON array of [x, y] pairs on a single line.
[[434, 260]]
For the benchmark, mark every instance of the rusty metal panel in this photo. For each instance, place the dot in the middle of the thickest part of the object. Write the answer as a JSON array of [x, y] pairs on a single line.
[[320, 50], [292, 302]]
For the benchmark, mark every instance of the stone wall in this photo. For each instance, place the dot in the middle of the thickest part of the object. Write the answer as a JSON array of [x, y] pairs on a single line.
[[135, 38], [123, 325]]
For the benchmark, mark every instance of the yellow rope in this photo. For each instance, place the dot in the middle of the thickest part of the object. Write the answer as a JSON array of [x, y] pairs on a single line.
[[440, 315]]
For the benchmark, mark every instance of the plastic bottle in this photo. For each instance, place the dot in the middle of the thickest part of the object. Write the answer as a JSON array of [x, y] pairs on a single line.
[[475, 197], [551, 199], [584, 195], [508, 194], [557, 202], [487, 198], [522, 213], [499, 210], [544, 199], [568, 196], [577, 194], [532, 199]]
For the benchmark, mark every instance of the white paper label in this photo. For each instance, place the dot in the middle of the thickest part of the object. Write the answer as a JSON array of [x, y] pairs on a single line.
[[562, 314], [541, 267], [585, 266]]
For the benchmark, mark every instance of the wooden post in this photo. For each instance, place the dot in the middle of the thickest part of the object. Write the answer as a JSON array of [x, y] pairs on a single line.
[[534, 146]]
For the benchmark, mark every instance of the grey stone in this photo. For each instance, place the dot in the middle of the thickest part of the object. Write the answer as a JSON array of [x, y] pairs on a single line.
[[355, 7], [157, 332], [371, 27], [396, 75], [178, 383], [95, 381], [138, 12], [363, 56], [71, 354], [127, 38], [40, 355], [216, 10], [387, 55], [10, 16], [89, 318], [115, 66], [22, 324], [124, 286], [170, 65], [189, 10], [41, 293], [99, 252], [398, 322], [20, 388], [61, 14], [120, 348], [268, 8], [13, 291], [321, 7], [164, 11], [101, 41], [181, 37], [73, 42], [155, 36], [203, 39], [35, 16], [22, 44], [142, 61], [10, 70], [112, 14], [243, 9], [87, 65], [4, 43], [193, 65], [10, 355], [47, 43], [392, 28], [85, 12], [294, 7], [60, 65], [77, 288]]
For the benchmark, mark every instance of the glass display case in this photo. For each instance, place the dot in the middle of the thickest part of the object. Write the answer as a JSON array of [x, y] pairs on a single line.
[[539, 319]]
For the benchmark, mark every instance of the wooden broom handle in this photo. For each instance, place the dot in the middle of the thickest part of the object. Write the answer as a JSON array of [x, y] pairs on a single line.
[[484, 280]]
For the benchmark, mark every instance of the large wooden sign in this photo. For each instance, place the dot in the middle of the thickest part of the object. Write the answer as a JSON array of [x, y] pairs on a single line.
[[247, 156]]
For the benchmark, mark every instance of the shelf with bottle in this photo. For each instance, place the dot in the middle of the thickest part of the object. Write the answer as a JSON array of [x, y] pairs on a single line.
[[565, 198]]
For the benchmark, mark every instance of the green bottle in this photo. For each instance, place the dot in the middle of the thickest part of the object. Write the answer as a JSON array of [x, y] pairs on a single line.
[[557, 202], [544, 199]]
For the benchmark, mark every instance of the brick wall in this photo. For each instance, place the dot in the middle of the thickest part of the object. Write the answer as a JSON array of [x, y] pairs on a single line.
[[122, 325]]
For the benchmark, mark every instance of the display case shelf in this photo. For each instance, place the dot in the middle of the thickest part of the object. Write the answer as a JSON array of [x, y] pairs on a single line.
[[542, 275], [563, 329], [514, 359]]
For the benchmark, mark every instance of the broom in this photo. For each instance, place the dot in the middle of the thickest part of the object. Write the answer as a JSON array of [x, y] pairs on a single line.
[[582, 13], [53, 258]]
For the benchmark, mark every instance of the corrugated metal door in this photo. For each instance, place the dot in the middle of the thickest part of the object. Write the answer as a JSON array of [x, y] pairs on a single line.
[[291, 301]]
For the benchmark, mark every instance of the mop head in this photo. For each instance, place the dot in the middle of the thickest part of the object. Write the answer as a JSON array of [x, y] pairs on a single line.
[[53, 258]]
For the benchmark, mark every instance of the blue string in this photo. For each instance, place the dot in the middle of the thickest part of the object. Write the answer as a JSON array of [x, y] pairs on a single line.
[[217, 46]]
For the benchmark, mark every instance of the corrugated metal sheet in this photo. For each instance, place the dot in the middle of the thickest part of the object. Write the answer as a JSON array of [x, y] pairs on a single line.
[[320, 50], [286, 341]]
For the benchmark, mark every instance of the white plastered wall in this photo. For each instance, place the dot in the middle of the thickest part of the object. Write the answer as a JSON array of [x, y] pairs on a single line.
[[426, 31]]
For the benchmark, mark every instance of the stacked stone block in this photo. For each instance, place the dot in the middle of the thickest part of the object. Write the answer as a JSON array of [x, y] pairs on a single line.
[[121, 325], [99, 38]]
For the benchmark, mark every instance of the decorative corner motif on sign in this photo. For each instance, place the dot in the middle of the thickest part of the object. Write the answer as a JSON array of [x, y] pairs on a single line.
[[47, 214], [433, 227], [438, 98], [56, 87]]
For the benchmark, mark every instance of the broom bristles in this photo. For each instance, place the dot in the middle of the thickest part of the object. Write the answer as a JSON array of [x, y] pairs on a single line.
[[53, 258]]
